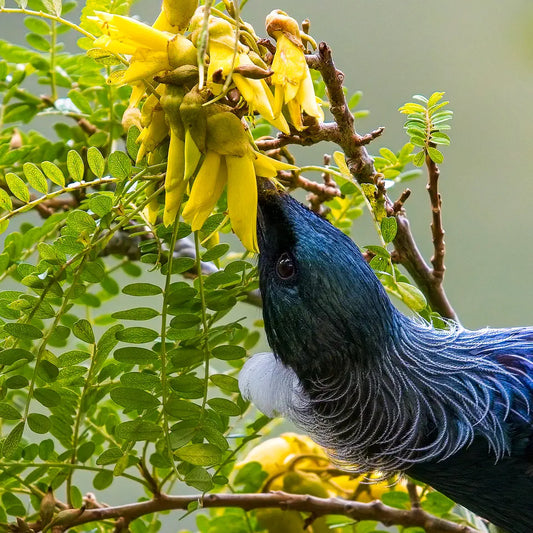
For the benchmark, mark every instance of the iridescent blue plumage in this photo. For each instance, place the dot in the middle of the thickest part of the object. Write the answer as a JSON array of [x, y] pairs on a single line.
[[382, 391]]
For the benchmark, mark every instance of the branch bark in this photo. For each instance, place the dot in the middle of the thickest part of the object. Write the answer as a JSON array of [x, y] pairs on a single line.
[[437, 229], [280, 500]]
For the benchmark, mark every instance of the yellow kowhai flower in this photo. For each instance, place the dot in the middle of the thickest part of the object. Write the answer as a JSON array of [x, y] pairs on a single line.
[[151, 50], [229, 160], [292, 81], [223, 61]]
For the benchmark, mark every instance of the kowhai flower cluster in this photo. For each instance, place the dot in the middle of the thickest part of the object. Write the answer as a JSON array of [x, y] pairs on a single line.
[[197, 124]]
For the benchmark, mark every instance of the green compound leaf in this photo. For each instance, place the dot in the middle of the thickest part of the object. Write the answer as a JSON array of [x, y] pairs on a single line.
[[137, 335], [8, 412], [199, 478], [5, 201], [133, 398], [389, 227], [137, 313], [39, 423], [142, 289], [23, 331], [435, 155], [229, 352]]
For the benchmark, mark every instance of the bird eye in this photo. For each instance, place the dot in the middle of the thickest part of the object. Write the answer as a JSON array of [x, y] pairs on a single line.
[[285, 266]]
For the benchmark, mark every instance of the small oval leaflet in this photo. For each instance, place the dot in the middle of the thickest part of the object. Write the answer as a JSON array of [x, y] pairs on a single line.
[[142, 289], [200, 454], [228, 352], [137, 335], [39, 423], [139, 429]]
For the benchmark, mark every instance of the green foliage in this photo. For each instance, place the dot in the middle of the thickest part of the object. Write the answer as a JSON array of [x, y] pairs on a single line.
[[425, 125]]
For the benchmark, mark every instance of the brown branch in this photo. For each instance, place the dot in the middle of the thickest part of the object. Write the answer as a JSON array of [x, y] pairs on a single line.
[[397, 206], [412, 490], [316, 199], [326, 191], [280, 500], [437, 231]]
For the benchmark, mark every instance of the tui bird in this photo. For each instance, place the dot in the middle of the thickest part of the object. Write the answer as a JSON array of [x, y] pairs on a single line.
[[452, 408]]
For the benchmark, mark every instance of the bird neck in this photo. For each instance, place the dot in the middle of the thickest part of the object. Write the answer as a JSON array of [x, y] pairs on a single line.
[[426, 394]]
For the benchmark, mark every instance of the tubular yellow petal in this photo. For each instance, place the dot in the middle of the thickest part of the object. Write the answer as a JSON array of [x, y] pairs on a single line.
[[242, 199], [117, 47], [279, 100], [289, 64], [307, 99], [192, 155], [155, 134], [152, 209], [148, 108], [206, 190], [132, 31], [138, 70], [259, 98], [174, 181], [220, 58], [137, 92], [162, 24], [295, 112], [267, 167]]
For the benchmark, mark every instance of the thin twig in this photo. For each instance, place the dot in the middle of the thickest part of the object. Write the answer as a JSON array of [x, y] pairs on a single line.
[[412, 490], [437, 231], [397, 206]]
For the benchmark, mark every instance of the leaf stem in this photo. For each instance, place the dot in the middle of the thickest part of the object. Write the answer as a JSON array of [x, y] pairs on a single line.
[[54, 18], [205, 324]]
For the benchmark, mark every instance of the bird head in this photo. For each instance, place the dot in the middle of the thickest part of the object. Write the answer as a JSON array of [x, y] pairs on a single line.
[[318, 291]]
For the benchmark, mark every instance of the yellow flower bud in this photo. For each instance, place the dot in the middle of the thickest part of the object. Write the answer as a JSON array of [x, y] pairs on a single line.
[[47, 507], [152, 209], [179, 12], [131, 117], [175, 182], [153, 135], [279, 23], [181, 51]]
